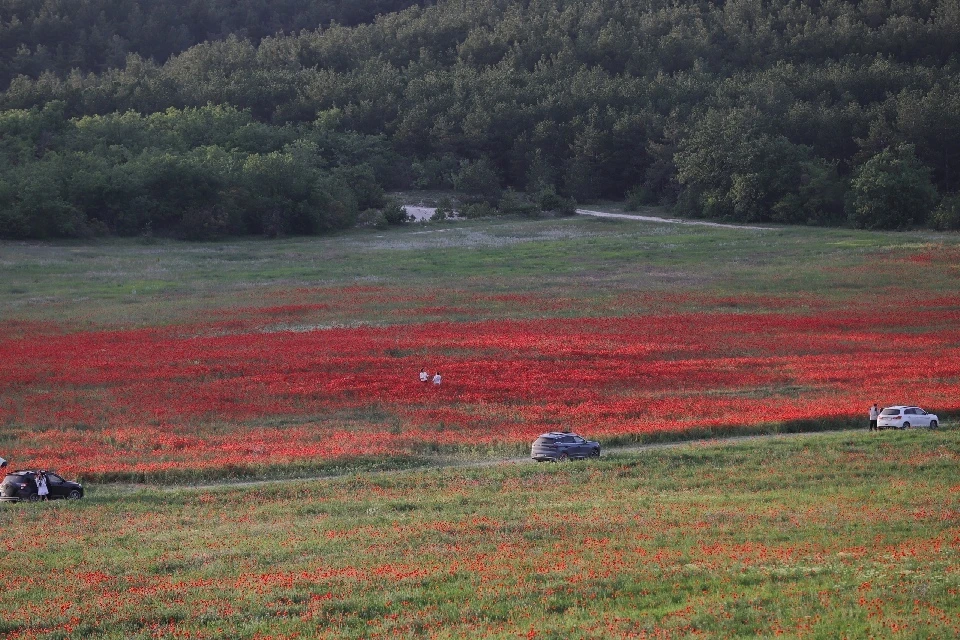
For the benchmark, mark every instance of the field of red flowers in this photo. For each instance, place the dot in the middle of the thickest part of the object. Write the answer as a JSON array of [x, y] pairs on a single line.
[[258, 388]]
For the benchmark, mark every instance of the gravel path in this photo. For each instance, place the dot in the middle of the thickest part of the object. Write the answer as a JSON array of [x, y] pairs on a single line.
[[628, 216], [480, 464]]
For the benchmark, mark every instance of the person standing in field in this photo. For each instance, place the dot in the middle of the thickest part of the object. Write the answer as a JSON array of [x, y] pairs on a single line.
[[874, 414], [437, 379], [42, 490], [424, 376]]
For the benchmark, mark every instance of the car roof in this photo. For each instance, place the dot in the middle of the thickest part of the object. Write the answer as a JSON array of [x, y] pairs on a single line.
[[557, 434], [903, 406]]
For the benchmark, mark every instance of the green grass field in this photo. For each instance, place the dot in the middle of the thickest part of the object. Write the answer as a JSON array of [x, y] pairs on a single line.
[[820, 536], [591, 260]]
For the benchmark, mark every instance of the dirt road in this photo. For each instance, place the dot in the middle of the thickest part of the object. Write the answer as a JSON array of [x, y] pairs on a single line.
[[703, 223], [480, 464]]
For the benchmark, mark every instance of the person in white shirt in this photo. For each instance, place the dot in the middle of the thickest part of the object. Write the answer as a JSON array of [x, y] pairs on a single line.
[[436, 379], [3, 463], [42, 490], [424, 376], [874, 413]]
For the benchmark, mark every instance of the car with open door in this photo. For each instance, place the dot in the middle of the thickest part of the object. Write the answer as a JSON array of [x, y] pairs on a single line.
[[21, 486]]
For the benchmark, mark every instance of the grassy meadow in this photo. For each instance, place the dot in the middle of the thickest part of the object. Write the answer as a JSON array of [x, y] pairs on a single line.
[[143, 366], [813, 536]]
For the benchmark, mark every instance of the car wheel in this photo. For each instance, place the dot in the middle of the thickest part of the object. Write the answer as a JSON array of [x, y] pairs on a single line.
[[933, 424], [595, 453], [33, 498], [563, 458], [74, 495], [906, 425]]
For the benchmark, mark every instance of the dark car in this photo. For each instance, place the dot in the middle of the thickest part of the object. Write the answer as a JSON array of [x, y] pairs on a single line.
[[559, 446], [22, 485]]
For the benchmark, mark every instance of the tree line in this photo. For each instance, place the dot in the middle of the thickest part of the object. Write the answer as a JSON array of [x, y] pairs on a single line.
[[828, 112], [38, 36]]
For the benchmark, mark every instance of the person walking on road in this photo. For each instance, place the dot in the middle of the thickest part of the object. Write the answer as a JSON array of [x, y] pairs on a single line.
[[874, 414]]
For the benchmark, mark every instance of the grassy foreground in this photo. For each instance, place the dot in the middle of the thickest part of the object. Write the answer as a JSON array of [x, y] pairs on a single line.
[[853, 535]]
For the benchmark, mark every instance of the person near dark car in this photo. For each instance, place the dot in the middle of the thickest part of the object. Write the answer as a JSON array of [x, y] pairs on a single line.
[[42, 490], [3, 463], [874, 413]]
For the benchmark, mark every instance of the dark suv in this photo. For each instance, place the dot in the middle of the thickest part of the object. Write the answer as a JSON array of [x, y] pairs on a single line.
[[560, 447], [22, 485]]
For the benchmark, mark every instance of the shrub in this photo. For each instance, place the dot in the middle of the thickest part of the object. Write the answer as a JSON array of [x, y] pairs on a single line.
[[891, 190], [946, 217], [479, 181], [550, 201], [640, 197], [513, 203], [478, 210], [444, 210], [372, 218], [395, 214]]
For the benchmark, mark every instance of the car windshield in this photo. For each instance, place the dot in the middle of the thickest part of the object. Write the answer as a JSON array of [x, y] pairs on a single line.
[[14, 478], [890, 412]]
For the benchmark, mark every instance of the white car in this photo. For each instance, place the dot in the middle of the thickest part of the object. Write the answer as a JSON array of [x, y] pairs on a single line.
[[906, 417]]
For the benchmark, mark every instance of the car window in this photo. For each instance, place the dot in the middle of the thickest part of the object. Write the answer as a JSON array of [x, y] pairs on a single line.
[[53, 478], [911, 412], [567, 439], [890, 412], [578, 439], [921, 412]]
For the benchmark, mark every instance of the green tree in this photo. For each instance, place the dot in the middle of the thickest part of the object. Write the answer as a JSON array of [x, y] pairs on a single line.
[[891, 190]]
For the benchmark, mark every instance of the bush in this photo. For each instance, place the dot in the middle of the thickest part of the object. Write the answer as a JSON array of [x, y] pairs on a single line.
[[891, 190], [640, 197], [478, 181], [203, 223], [395, 214], [372, 218], [550, 201], [513, 203], [946, 217], [478, 210], [443, 211]]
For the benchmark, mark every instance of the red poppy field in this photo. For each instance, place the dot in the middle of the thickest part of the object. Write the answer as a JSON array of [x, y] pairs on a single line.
[[242, 394], [326, 377]]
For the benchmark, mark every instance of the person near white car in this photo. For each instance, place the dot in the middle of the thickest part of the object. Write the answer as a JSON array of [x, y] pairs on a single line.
[[906, 417]]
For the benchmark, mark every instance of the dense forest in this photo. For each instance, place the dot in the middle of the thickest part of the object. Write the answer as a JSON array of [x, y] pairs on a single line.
[[826, 112]]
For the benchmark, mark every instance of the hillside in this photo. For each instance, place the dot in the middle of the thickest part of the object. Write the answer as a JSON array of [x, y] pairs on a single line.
[[813, 113]]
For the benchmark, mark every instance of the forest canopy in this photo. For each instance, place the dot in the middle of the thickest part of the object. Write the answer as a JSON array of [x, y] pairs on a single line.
[[294, 117]]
